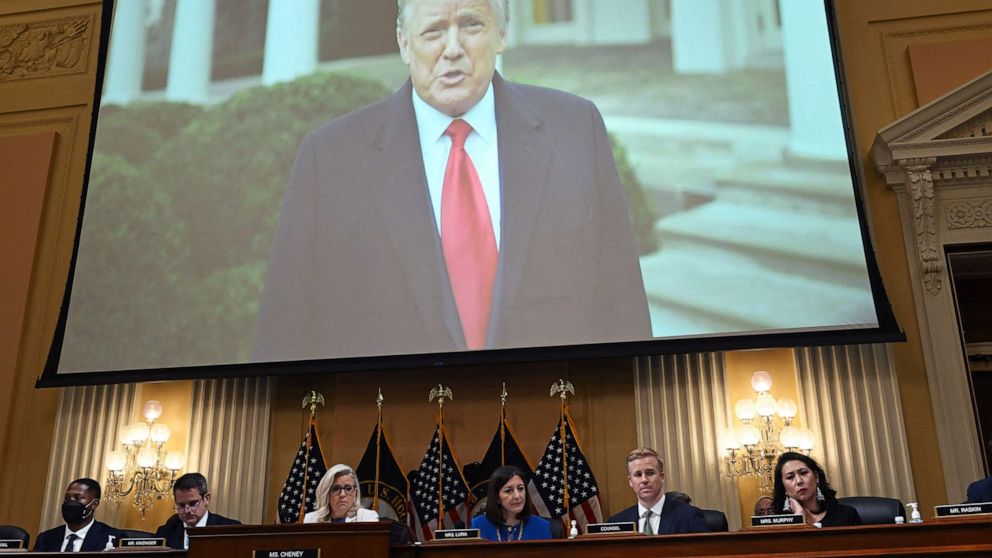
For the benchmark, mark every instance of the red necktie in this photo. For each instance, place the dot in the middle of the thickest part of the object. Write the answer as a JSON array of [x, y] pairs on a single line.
[[467, 238]]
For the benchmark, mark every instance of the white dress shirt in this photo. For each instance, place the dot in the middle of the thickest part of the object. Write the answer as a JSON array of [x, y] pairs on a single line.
[[655, 515], [78, 543], [201, 523], [481, 145], [361, 516]]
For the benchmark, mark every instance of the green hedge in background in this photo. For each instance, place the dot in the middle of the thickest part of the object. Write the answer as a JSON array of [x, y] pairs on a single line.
[[642, 214], [177, 237]]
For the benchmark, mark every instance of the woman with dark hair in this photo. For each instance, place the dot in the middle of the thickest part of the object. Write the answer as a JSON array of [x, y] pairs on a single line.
[[801, 487], [508, 516]]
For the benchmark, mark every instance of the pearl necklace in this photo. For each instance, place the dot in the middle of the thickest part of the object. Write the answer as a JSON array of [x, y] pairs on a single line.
[[519, 528]]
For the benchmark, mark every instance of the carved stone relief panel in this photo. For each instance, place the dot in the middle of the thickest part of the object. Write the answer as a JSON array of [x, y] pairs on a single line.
[[968, 214], [45, 47], [922, 195]]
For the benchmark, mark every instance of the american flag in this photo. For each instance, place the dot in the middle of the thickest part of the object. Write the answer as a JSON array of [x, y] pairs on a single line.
[[299, 494], [439, 475], [563, 482]]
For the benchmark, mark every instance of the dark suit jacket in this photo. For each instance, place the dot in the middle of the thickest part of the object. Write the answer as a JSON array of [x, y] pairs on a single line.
[[980, 491], [95, 540], [676, 517], [840, 515], [356, 267], [172, 531]]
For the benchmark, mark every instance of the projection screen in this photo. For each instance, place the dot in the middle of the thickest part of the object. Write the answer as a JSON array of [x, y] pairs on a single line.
[[660, 176]]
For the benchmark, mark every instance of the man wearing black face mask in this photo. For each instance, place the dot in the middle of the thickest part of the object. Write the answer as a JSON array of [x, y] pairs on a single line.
[[80, 532]]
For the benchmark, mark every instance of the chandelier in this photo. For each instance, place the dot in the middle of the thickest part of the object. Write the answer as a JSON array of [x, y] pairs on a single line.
[[142, 467], [765, 432]]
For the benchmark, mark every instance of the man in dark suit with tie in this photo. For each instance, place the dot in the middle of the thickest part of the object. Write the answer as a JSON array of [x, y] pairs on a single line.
[[81, 532], [192, 497], [463, 212], [655, 513]]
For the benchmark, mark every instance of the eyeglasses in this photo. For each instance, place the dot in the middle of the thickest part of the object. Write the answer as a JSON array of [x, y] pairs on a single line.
[[346, 488], [190, 506]]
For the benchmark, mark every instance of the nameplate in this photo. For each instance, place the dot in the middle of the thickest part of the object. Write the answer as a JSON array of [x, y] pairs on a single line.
[[10, 544], [456, 534], [140, 542], [783, 520], [287, 553], [611, 528], [953, 510]]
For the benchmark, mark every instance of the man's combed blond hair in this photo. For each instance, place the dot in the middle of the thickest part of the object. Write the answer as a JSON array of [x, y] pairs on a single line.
[[641, 453], [500, 8]]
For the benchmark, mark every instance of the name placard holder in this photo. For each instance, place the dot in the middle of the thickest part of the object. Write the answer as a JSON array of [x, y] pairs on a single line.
[[619, 528], [287, 553], [957, 510], [136, 543], [454, 535], [11, 544], [784, 520]]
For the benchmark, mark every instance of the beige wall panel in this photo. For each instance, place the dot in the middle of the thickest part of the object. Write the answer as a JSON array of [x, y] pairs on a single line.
[[54, 245], [941, 67], [32, 412], [26, 160], [875, 37], [59, 80]]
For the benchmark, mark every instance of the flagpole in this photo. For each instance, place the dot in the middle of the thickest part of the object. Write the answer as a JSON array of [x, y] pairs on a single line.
[[311, 399], [502, 426], [440, 392], [378, 444], [562, 388]]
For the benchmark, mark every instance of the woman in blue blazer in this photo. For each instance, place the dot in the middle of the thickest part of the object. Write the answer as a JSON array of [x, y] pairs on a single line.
[[508, 510]]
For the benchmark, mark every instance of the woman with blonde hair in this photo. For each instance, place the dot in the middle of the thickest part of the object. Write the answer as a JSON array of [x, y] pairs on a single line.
[[339, 498]]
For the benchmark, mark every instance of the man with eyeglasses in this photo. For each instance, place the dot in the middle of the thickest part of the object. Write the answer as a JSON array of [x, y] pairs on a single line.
[[81, 533], [192, 498]]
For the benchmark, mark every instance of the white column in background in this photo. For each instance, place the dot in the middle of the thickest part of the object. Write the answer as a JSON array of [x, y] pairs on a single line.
[[126, 60], [620, 22], [814, 113], [291, 45], [702, 39], [192, 51]]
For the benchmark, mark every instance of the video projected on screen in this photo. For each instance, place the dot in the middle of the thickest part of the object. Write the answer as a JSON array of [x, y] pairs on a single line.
[[269, 191]]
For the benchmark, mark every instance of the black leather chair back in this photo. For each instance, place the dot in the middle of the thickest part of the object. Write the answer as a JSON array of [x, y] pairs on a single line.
[[716, 521], [875, 510], [14, 532], [136, 534], [399, 533], [557, 528]]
